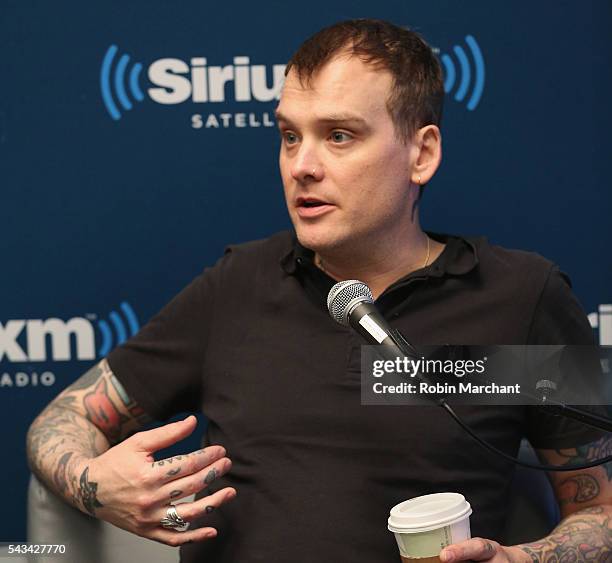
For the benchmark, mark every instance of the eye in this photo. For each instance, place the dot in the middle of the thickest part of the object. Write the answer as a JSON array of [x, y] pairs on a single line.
[[289, 137], [340, 137]]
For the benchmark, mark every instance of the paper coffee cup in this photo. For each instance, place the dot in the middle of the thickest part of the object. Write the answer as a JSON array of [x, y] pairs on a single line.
[[423, 526]]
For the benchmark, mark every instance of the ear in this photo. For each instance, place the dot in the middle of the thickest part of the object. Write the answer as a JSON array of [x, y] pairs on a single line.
[[427, 143]]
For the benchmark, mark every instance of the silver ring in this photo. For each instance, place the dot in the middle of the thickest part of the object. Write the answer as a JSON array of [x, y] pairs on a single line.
[[173, 521]]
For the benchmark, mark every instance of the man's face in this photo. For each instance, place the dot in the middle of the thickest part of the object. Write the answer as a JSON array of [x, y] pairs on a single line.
[[344, 171]]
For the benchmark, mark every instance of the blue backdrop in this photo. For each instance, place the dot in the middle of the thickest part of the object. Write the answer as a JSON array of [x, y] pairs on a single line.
[[127, 163]]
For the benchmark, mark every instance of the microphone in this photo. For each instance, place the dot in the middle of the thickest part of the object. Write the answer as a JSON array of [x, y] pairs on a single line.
[[351, 303]]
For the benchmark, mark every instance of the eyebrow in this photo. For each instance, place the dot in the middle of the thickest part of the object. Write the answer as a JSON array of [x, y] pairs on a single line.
[[329, 118]]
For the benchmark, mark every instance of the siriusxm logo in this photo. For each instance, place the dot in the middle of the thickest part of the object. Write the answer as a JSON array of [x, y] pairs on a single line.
[[37, 340], [175, 81], [602, 320]]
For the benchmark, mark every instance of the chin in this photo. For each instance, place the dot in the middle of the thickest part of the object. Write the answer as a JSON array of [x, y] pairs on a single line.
[[317, 240]]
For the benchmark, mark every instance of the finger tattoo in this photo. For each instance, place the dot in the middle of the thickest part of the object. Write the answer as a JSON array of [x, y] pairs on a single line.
[[173, 472], [211, 476], [172, 459], [209, 509], [176, 494]]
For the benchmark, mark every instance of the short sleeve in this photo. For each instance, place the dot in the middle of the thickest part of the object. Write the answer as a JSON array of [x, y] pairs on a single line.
[[161, 366], [558, 319]]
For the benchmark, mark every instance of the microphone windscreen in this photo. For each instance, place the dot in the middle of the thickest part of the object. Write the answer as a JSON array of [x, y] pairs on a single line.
[[344, 296]]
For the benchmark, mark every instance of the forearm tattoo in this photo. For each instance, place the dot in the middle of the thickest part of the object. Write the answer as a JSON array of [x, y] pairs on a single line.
[[57, 441], [583, 536], [87, 493], [62, 437], [584, 487], [577, 489], [590, 452], [59, 475]]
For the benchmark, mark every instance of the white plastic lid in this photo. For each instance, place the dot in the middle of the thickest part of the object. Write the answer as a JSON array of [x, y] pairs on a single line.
[[422, 514]]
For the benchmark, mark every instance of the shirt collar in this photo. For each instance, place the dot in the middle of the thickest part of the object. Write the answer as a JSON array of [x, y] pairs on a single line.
[[459, 257]]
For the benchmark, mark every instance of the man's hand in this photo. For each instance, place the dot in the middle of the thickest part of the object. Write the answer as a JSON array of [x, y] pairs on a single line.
[[127, 487], [83, 448], [479, 549]]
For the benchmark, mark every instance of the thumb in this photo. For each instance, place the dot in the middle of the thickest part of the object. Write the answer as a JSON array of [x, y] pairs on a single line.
[[152, 440]]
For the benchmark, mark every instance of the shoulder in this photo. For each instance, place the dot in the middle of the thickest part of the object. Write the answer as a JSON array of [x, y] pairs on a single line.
[[519, 266], [256, 261], [538, 289], [527, 276]]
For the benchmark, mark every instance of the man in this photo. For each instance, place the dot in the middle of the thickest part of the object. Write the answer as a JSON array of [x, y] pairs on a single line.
[[249, 342]]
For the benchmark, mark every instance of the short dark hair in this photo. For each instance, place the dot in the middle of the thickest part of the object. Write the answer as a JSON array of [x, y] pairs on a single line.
[[417, 92]]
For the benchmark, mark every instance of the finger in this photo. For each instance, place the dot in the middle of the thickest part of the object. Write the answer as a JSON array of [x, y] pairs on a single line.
[[191, 484], [179, 466], [476, 549], [175, 539], [189, 511], [152, 440]]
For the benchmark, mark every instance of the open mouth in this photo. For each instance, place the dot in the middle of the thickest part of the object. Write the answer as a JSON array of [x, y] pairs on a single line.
[[310, 202], [311, 208]]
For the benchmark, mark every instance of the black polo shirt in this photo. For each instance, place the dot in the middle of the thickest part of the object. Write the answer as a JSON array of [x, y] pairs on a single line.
[[250, 343]]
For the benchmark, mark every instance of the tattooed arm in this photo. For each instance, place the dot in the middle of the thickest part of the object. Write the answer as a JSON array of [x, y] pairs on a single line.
[[584, 534], [585, 499], [84, 448], [87, 418]]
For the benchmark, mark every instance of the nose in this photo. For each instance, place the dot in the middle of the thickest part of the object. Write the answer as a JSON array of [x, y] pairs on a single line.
[[306, 166]]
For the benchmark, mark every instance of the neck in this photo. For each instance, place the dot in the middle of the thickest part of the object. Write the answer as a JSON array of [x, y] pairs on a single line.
[[380, 267]]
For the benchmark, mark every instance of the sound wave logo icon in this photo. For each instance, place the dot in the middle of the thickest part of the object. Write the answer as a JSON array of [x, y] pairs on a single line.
[[113, 80], [121, 331], [465, 73]]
